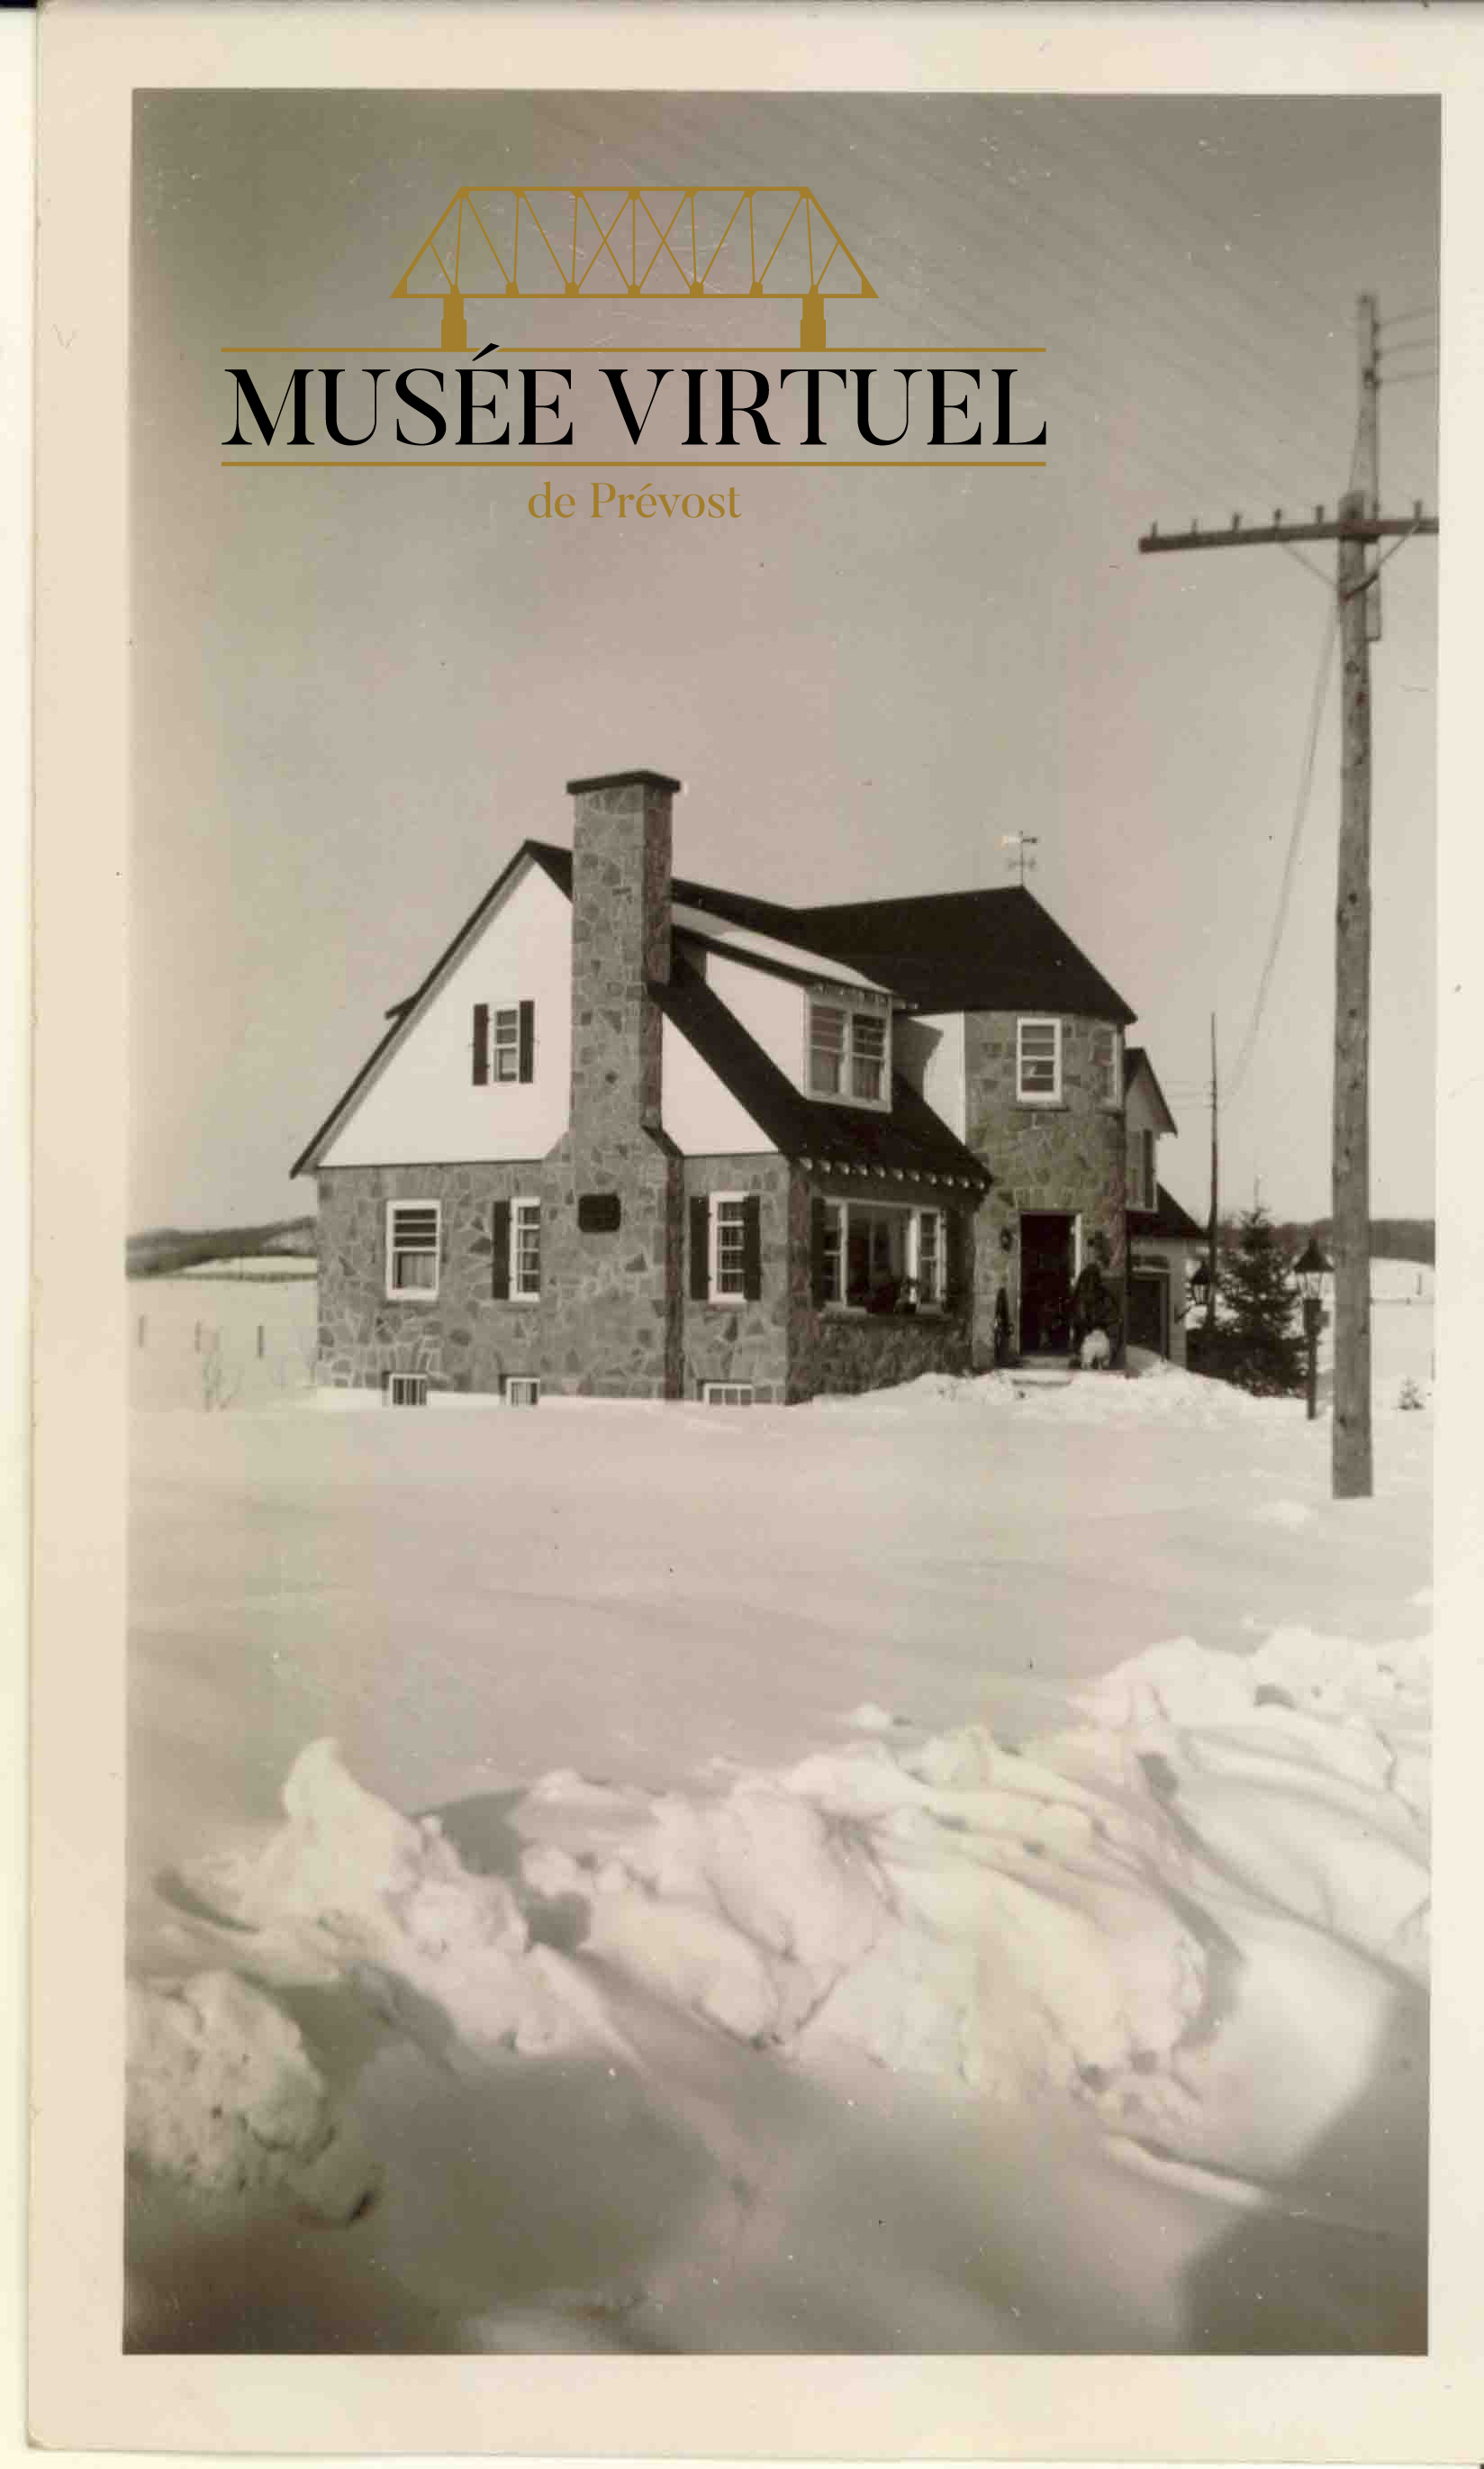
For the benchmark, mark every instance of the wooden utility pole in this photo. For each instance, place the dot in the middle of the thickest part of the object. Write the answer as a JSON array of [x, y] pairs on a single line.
[[1359, 524], [1350, 1155], [1211, 1229]]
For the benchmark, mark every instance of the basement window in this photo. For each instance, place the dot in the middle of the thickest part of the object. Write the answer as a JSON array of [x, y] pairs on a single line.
[[406, 1389], [412, 1232], [1039, 1062], [726, 1393], [522, 1388]]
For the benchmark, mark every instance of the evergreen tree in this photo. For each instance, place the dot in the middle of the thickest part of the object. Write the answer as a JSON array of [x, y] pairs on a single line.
[[1261, 1352]]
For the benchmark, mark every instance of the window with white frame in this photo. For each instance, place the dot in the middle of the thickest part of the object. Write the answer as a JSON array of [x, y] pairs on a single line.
[[412, 1230], [1039, 1062], [1143, 1185], [728, 1245], [502, 1043], [1106, 1076], [878, 1255], [525, 1250], [850, 1051]]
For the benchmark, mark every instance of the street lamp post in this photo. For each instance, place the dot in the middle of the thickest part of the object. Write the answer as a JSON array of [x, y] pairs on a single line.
[[1198, 1283], [1310, 1269]]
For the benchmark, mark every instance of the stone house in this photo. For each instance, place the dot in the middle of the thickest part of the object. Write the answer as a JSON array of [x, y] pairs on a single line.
[[635, 1137]]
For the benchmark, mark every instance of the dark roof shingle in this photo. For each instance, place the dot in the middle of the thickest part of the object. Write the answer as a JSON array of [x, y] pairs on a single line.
[[911, 1140]]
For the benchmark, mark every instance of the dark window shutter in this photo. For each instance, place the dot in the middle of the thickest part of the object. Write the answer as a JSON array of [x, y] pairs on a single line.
[[752, 1248], [700, 1266], [819, 1220], [955, 1256], [527, 1064], [481, 1045], [499, 1266]]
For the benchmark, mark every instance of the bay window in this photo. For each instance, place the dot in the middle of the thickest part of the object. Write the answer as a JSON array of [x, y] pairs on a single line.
[[880, 1255]]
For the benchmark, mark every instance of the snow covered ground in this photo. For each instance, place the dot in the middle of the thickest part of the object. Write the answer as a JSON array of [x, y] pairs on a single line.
[[938, 1871]]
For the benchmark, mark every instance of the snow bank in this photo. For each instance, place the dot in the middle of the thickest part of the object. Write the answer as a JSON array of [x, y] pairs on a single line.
[[350, 1888], [1172, 1397], [1010, 1921], [222, 2098]]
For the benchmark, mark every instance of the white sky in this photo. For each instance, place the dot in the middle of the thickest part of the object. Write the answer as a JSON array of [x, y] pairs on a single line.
[[357, 691]]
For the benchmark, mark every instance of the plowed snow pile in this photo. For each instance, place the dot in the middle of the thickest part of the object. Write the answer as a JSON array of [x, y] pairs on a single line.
[[1093, 1934]]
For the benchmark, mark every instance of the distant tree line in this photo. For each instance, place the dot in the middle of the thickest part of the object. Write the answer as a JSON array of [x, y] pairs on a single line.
[[1392, 1239], [164, 1251]]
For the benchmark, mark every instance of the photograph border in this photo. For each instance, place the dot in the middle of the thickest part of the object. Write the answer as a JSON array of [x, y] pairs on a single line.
[[84, 2394]]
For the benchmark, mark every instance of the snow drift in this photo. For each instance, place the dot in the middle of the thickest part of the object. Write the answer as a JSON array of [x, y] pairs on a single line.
[[1002, 1922]]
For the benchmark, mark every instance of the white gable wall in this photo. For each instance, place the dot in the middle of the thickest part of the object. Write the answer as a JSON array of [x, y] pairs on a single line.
[[1142, 1113], [422, 1107], [771, 1009], [928, 1051], [698, 1111]]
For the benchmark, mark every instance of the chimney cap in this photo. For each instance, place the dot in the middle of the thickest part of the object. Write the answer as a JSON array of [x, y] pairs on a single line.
[[625, 780]]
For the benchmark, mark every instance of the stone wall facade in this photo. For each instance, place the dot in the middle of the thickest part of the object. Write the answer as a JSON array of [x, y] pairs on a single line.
[[738, 1340], [1070, 1157], [461, 1339]]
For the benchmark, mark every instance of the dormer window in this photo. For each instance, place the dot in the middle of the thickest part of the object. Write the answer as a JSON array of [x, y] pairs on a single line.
[[849, 1051], [1039, 1062]]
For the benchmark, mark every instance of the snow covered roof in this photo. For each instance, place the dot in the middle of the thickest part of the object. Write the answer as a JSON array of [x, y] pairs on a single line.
[[746, 943]]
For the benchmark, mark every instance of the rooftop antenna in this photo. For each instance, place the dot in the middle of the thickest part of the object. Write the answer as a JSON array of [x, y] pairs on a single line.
[[1022, 842]]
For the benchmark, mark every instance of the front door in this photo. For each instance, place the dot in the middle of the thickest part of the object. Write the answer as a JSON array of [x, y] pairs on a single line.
[[1047, 1270], [1149, 1311]]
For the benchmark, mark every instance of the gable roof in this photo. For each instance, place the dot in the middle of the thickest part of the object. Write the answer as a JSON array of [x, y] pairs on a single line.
[[910, 1141], [402, 1014], [942, 951], [1168, 1218], [1137, 1060], [951, 951]]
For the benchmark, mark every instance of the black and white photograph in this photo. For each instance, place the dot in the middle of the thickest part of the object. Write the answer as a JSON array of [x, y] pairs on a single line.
[[778, 1305]]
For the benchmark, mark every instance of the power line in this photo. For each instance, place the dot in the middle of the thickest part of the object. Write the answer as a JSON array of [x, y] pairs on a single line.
[[1301, 803]]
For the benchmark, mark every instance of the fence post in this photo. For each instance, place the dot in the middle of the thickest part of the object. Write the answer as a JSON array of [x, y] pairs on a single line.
[[259, 1342], [196, 1340], [143, 1325]]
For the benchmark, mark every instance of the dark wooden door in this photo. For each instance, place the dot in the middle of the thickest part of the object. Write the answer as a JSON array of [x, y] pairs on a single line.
[[1149, 1311], [1046, 1282]]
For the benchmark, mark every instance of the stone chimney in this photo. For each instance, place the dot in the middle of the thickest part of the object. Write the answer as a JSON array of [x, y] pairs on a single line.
[[612, 1188], [620, 861]]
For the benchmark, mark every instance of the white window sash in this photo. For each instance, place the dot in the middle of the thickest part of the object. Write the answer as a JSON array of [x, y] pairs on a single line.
[[715, 1291], [525, 1213], [397, 1249], [837, 1066], [1038, 1096]]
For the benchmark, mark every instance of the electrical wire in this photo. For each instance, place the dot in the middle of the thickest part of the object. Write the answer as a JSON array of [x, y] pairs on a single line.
[[1301, 806]]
